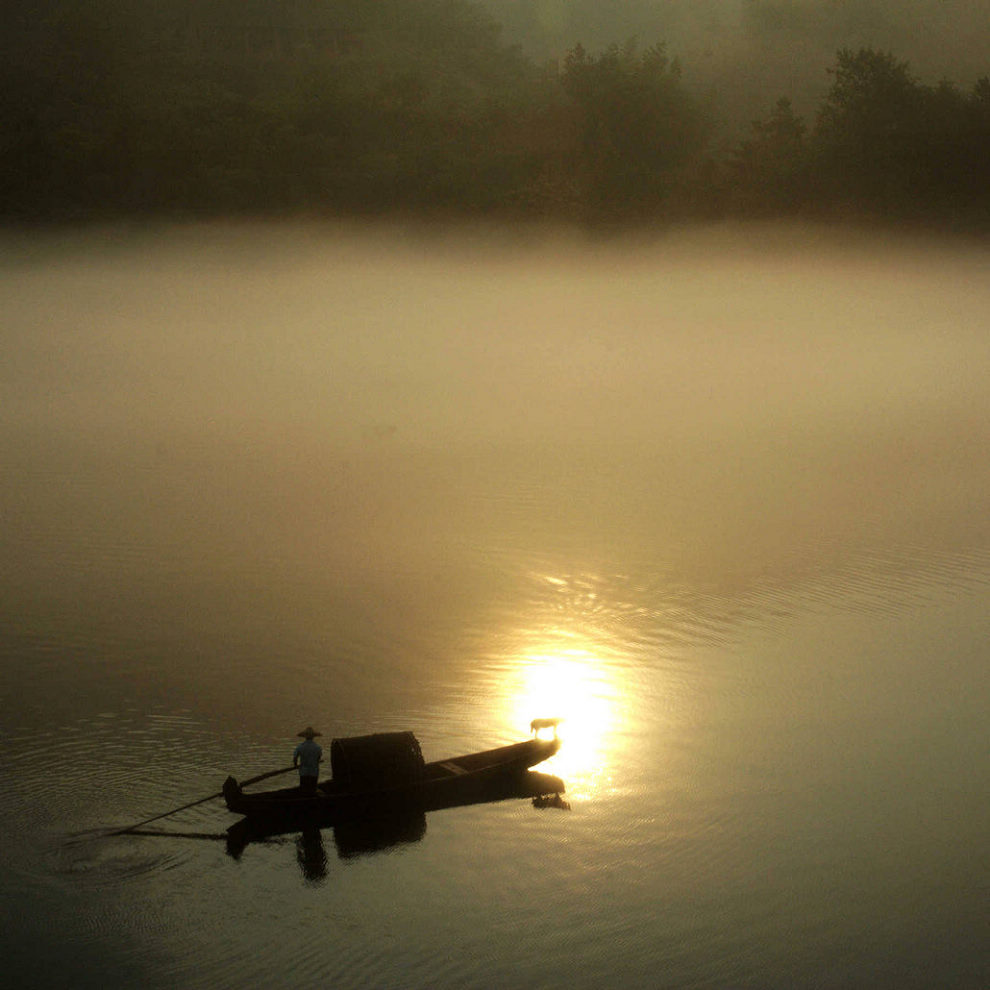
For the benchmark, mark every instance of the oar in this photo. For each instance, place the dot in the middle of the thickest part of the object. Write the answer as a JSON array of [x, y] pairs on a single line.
[[192, 804]]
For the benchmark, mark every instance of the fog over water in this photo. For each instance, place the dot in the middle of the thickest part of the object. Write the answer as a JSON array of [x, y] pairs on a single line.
[[717, 498]]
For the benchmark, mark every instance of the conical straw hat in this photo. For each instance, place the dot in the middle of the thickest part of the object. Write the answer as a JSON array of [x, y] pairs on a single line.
[[309, 732]]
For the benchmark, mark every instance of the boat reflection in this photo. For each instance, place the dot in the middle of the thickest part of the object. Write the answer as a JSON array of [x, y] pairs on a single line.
[[368, 835], [311, 854], [375, 835]]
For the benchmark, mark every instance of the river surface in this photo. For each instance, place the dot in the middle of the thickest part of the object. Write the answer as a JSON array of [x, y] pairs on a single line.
[[718, 500]]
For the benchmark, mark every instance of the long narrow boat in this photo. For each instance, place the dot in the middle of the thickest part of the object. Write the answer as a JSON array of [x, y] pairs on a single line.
[[422, 786]]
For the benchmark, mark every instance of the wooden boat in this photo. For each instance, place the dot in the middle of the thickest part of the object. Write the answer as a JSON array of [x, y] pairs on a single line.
[[373, 774]]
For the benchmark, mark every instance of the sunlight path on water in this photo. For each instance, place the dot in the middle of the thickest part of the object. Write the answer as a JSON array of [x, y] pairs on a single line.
[[571, 658], [572, 684]]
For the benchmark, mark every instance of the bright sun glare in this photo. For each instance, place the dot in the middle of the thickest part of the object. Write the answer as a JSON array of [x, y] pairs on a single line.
[[569, 683]]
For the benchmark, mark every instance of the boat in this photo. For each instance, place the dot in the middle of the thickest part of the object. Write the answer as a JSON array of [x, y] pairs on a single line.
[[385, 772]]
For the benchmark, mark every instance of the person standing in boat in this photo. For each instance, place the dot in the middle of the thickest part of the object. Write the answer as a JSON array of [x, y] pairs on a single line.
[[307, 757]]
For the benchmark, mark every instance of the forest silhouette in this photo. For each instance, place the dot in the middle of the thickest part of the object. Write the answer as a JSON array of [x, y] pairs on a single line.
[[278, 107]]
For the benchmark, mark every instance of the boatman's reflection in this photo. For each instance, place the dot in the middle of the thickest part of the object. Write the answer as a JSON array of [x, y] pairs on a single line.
[[307, 757], [311, 854]]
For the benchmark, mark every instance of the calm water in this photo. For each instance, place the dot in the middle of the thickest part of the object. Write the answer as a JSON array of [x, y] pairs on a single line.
[[718, 500]]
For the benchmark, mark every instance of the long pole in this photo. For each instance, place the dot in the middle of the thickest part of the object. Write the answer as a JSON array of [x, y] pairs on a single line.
[[192, 804]]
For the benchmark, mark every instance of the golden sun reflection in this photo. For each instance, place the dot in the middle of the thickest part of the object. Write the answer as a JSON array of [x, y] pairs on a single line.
[[572, 684]]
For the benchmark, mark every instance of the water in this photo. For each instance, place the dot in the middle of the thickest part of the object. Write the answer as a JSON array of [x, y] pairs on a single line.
[[718, 500]]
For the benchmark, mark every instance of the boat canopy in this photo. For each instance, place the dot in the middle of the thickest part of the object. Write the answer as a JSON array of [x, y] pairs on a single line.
[[385, 759]]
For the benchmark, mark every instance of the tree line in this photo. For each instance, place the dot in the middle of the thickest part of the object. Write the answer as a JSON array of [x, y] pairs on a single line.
[[118, 107]]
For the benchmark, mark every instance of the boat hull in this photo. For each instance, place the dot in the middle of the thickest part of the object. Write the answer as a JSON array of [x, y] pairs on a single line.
[[445, 783]]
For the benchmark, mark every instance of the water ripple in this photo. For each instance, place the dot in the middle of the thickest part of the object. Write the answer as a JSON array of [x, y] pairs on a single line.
[[101, 861], [639, 613]]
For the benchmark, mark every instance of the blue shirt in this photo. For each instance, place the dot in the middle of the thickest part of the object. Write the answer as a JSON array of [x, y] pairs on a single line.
[[308, 753]]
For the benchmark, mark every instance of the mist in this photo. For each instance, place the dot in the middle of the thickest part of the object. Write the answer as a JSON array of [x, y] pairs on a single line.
[[776, 386]]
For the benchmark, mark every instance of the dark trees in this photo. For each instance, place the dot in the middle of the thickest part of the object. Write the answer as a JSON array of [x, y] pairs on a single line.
[[636, 127], [222, 107], [867, 130], [768, 173], [892, 146]]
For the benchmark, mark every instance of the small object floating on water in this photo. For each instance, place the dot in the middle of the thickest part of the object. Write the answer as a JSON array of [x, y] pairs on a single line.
[[544, 723], [551, 801]]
